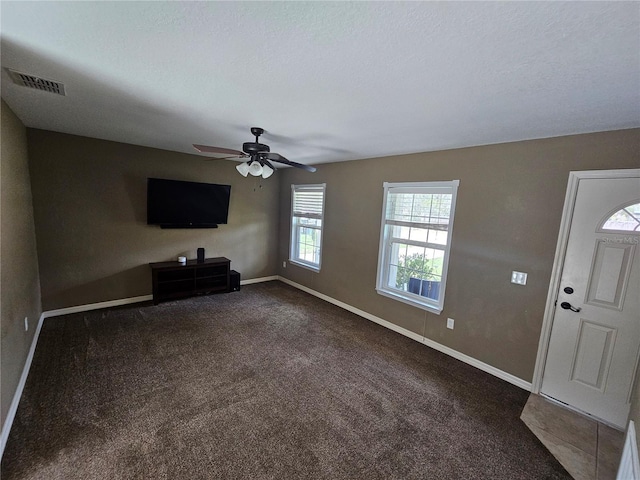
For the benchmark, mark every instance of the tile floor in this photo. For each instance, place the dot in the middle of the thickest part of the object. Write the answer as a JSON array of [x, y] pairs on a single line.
[[588, 450]]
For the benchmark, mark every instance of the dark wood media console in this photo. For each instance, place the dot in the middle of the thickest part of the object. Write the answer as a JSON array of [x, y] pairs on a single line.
[[173, 280]]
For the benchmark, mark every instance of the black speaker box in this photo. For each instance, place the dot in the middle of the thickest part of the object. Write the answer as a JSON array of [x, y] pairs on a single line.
[[201, 255], [235, 281]]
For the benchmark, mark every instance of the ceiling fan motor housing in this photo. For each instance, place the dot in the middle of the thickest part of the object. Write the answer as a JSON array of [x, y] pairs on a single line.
[[254, 147]]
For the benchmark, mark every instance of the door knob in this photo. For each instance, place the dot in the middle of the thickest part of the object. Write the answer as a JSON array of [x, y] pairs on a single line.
[[568, 306]]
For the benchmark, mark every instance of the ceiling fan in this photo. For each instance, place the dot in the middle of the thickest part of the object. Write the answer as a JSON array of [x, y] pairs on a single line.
[[259, 154]]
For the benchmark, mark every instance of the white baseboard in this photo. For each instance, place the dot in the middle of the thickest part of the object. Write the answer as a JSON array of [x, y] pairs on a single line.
[[95, 306], [485, 367], [258, 280], [130, 300], [6, 428], [13, 408]]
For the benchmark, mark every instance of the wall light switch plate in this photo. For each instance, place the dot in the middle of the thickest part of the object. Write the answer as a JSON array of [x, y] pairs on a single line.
[[519, 278], [26, 324], [450, 323], [284, 264]]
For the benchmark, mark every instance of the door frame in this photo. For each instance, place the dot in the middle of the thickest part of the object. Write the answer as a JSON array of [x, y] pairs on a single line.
[[558, 262]]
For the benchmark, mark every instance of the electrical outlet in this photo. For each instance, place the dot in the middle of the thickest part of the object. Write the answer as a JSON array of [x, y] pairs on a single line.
[[450, 323], [284, 264], [26, 324]]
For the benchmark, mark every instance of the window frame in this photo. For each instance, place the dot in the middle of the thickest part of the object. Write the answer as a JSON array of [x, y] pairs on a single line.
[[385, 247], [294, 242]]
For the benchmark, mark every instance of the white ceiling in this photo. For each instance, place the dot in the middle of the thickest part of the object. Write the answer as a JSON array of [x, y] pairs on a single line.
[[328, 81]]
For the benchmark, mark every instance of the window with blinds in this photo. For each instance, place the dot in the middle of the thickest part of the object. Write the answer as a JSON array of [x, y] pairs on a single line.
[[307, 212], [415, 238]]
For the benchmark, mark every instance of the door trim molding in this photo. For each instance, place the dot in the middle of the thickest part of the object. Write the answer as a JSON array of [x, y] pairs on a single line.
[[558, 261], [629, 468]]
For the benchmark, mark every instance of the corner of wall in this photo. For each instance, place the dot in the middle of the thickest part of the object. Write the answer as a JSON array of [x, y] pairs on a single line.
[[19, 273]]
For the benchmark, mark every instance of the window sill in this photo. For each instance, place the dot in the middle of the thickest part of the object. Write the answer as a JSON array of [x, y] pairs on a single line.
[[409, 301], [313, 268]]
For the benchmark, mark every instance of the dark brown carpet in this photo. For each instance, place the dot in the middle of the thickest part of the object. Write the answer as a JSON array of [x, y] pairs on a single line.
[[268, 382]]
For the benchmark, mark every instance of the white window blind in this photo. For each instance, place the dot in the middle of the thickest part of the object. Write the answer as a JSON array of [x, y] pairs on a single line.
[[308, 201]]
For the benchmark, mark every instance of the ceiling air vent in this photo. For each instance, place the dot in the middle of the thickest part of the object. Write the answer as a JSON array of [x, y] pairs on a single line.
[[33, 81]]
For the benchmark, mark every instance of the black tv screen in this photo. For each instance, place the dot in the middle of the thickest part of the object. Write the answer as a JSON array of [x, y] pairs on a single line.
[[179, 204]]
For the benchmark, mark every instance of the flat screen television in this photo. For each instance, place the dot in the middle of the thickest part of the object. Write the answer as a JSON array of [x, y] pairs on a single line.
[[179, 204]]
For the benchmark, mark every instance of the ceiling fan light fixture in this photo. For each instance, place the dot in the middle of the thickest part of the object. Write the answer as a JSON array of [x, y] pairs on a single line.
[[255, 169], [267, 171], [259, 154], [243, 168]]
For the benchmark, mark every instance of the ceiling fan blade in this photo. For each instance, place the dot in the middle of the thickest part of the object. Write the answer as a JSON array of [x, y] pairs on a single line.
[[231, 157], [226, 151], [276, 157]]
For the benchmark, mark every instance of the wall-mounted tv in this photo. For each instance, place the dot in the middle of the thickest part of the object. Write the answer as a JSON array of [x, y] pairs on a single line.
[[179, 204]]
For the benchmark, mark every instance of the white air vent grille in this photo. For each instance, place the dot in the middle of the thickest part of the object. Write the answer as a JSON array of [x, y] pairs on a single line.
[[32, 81]]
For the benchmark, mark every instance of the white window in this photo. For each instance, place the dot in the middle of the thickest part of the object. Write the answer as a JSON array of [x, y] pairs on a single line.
[[307, 209], [415, 239]]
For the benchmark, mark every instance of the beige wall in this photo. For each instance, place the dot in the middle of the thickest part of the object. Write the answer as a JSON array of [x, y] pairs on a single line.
[[89, 199], [19, 285], [507, 218]]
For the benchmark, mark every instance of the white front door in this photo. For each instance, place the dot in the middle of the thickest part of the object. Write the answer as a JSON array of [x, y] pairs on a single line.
[[595, 337]]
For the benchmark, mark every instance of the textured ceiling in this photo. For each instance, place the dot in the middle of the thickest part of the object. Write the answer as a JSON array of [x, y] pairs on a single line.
[[328, 81]]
